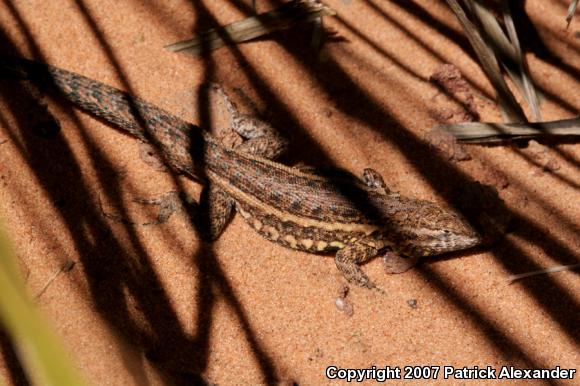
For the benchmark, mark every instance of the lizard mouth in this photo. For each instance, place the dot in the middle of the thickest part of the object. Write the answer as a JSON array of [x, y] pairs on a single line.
[[443, 242]]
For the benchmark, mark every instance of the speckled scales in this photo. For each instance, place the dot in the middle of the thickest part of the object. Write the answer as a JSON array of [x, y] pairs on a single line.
[[308, 211]]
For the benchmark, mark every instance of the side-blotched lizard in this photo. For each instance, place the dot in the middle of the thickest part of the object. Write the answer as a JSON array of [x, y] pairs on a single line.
[[302, 209]]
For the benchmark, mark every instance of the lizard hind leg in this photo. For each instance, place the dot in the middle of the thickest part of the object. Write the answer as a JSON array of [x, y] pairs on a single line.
[[261, 138], [213, 213], [373, 179], [270, 146], [348, 259], [210, 216]]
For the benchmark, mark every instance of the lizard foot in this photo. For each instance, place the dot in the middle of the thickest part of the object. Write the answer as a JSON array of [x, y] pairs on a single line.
[[347, 260], [395, 263], [168, 204]]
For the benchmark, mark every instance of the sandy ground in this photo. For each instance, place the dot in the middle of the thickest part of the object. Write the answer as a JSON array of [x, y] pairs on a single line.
[[151, 305]]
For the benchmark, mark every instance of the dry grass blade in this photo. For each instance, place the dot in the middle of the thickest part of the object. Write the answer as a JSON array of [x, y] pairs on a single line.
[[479, 132], [522, 76], [65, 267], [506, 99], [559, 268], [571, 11], [284, 17], [508, 53]]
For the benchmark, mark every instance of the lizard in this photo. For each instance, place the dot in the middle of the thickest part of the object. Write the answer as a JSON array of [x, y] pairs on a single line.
[[299, 208]]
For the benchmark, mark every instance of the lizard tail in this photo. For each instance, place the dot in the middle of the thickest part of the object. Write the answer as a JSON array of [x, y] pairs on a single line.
[[174, 137], [15, 68]]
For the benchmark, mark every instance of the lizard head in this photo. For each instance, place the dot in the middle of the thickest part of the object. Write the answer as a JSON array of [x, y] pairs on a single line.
[[429, 229]]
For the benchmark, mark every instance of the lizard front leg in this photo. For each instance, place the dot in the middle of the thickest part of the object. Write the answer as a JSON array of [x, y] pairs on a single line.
[[348, 259]]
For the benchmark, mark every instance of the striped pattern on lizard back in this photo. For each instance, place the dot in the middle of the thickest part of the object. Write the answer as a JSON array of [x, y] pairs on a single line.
[[296, 209]]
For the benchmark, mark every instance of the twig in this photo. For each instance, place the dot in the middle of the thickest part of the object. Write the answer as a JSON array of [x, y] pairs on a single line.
[[571, 11], [65, 267], [559, 268], [284, 17]]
